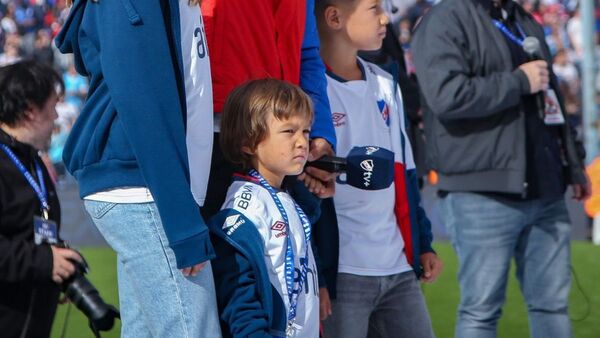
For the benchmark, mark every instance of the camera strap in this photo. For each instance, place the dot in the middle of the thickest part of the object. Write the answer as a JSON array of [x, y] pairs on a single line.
[[293, 292], [39, 187]]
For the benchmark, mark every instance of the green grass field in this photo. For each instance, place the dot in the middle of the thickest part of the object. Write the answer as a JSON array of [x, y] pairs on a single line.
[[442, 297]]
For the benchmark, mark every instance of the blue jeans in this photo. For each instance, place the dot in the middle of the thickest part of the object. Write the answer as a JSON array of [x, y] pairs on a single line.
[[487, 232], [378, 307], [156, 300]]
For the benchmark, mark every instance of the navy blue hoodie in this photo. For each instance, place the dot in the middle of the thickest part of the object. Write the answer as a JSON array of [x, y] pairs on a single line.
[[131, 131]]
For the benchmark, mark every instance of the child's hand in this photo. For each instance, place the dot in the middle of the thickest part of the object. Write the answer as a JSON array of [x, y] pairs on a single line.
[[193, 270], [324, 304], [432, 266]]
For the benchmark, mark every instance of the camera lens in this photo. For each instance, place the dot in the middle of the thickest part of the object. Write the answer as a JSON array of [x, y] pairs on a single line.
[[86, 298]]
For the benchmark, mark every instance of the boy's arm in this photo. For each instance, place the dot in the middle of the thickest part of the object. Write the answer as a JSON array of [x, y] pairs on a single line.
[[236, 288], [325, 246], [424, 225], [425, 234], [412, 183], [313, 81], [430, 262]]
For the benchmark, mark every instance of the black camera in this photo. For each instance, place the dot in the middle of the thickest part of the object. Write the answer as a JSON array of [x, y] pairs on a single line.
[[86, 298]]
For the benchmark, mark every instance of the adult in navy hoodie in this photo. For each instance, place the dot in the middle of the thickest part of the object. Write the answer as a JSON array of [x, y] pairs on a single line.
[[145, 126]]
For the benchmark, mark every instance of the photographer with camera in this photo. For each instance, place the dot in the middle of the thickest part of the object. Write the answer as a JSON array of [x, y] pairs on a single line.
[[31, 270]]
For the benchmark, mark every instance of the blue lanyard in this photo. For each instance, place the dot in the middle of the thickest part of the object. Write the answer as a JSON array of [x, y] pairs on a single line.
[[40, 189], [293, 293], [509, 34]]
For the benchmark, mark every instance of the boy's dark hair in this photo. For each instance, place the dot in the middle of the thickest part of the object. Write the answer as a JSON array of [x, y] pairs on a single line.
[[246, 113], [23, 84], [321, 5]]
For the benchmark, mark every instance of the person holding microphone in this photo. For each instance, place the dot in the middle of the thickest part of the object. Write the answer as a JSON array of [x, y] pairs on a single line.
[[503, 159]]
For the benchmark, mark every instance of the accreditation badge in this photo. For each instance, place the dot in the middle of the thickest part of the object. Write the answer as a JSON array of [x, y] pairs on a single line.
[[44, 230], [553, 115]]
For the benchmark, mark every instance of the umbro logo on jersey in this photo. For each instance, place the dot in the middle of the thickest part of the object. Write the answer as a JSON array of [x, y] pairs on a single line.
[[279, 226], [384, 110], [339, 119], [232, 223]]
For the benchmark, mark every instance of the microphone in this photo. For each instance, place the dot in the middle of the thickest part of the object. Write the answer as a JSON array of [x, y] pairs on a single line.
[[366, 168], [531, 46]]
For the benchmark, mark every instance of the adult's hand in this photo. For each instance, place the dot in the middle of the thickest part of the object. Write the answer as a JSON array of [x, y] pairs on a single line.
[[319, 182], [62, 265], [193, 270], [581, 191], [537, 74]]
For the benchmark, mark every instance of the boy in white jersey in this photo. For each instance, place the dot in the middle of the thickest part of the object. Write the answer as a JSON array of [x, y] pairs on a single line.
[[384, 235], [265, 273]]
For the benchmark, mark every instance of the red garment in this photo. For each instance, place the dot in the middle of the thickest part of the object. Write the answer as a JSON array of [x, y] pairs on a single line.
[[244, 44]]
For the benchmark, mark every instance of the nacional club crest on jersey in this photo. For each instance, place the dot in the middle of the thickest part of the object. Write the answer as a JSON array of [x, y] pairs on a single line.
[[339, 119], [384, 110]]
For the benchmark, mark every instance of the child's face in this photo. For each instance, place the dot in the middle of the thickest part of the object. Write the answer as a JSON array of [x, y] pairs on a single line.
[[284, 150], [365, 24]]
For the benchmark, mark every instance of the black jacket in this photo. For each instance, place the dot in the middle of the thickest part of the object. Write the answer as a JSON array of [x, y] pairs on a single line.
[[474, 118], [27, 292]]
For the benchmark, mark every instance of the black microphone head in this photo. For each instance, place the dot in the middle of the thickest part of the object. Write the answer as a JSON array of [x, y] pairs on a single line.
[[531, 46]]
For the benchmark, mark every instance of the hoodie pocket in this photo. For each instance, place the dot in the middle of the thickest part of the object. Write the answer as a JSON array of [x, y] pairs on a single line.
[[132, 13]]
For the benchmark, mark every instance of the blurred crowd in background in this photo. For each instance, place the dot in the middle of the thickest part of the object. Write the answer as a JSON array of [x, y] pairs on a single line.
[[28, 27], [27, 30]]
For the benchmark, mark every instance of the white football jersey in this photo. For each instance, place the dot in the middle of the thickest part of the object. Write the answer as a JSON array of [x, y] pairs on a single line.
[[255, 202], [368, 113]]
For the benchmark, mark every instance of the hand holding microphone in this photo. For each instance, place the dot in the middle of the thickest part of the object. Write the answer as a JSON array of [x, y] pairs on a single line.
[[537, 74], [319, 182], [536, 71], [367, 168]]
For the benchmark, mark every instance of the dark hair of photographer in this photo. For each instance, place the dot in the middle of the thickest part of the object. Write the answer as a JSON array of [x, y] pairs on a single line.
[[30, 273]]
